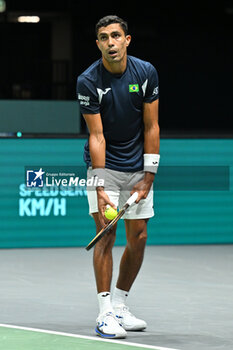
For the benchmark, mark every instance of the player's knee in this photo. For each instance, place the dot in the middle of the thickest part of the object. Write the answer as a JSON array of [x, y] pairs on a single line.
[[107, 242], [142, 237], [138, 240]]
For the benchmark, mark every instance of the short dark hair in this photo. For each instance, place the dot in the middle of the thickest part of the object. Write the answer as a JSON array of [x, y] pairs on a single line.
[[105, 21]]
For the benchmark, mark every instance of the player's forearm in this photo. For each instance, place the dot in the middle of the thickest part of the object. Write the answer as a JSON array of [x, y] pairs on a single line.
[[152, 139], [97, 148]]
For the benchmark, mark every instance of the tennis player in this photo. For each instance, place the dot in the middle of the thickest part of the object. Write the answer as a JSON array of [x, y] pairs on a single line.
[[118, 97]]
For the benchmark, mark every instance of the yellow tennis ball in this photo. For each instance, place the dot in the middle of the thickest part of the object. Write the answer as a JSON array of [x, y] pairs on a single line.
[[110, 213]]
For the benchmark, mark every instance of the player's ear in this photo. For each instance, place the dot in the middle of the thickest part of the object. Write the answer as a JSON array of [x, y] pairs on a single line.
[[128, 39], [97, 43]]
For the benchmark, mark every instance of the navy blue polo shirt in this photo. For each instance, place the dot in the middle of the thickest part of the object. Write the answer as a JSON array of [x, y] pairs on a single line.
[[119, 99]]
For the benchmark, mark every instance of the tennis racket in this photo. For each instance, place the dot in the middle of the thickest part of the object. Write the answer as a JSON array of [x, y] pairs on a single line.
[[107, 228]]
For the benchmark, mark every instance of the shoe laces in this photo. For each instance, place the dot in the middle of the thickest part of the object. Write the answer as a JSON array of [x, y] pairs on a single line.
[[125, 309], [109, 314]]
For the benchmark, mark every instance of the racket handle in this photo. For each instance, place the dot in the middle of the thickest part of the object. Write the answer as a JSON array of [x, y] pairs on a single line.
[[132, 199]]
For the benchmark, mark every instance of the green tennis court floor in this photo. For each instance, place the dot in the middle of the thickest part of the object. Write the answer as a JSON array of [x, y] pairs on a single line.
[[20, 338]]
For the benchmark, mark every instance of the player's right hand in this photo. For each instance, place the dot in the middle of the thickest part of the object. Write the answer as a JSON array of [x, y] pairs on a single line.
[[103, 201]]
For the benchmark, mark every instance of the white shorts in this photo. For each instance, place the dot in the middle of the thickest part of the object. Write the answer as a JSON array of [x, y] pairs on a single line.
[[118, 186]]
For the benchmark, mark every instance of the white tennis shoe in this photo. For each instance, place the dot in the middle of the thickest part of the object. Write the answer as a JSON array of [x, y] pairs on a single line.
[[108, 326], [128, 320]]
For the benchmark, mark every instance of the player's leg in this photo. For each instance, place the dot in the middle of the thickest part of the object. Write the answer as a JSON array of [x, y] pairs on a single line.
[[102, 258], [131, 261], [107, 324], [136, 219]]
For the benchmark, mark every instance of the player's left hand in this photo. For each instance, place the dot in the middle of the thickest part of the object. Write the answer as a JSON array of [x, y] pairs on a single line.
[[143, 187]]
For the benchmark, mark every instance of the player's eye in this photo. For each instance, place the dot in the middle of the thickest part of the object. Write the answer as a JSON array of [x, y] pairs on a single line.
[[103, 37]]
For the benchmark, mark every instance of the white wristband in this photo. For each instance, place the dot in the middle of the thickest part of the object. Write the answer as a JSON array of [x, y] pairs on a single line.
[[151, 162]]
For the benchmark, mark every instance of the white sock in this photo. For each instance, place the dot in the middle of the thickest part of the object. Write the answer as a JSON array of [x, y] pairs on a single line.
[[104, 299], [119, 297]]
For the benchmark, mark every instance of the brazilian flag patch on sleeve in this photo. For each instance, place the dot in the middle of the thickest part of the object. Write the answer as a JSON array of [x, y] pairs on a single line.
[[133, 88]]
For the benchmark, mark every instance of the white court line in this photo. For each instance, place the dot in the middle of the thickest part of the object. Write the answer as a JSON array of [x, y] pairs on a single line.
[[85, 337]]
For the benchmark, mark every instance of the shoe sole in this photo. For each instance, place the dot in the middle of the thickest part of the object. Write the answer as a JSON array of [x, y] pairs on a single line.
[[135, 329], [109, 336]]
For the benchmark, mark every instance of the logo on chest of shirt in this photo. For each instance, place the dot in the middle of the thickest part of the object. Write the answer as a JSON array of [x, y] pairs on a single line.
[[102, 92], [133, 87]]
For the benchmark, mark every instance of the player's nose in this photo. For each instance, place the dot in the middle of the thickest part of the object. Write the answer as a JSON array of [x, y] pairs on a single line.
[[110, 42]]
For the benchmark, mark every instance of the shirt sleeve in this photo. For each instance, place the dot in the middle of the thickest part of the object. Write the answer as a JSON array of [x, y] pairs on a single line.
[[152, 86], [87, 96]]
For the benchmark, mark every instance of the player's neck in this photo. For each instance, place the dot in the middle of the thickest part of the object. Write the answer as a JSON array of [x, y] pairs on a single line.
[[115, 67]]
